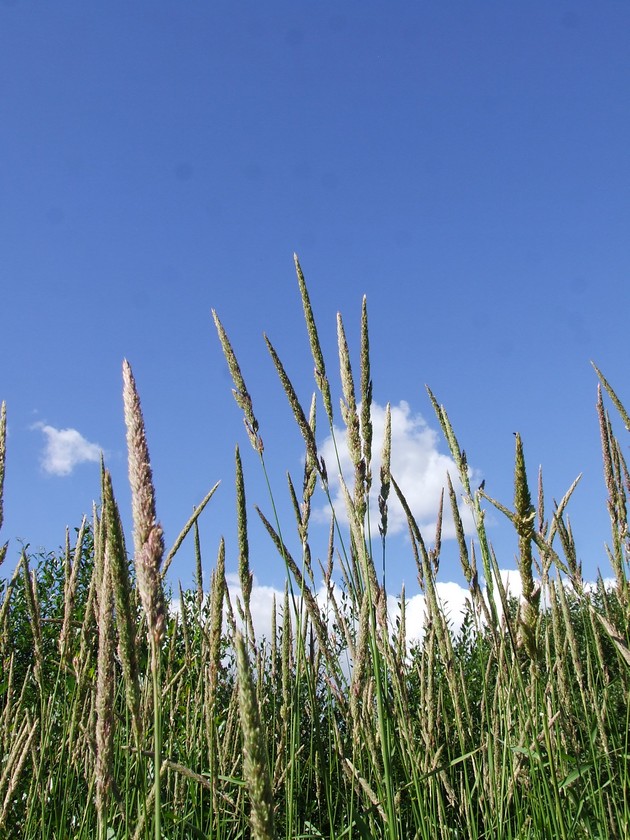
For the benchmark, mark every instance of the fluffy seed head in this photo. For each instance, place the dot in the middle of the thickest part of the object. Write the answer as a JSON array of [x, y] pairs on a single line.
[[147, 532]]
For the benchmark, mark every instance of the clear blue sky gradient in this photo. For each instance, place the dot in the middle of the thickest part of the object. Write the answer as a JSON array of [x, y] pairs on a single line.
[[464, 165]]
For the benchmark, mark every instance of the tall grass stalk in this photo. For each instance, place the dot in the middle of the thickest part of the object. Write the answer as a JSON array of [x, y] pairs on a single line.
[[149, 549], [255, 763]]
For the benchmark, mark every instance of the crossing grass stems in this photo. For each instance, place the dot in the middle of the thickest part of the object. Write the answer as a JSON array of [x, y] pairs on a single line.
[[123, 717]]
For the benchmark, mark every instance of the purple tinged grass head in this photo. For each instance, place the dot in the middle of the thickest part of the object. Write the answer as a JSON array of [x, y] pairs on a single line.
[[147, 532], [366, 396], [385, 471], [140, 474], [523, 520], [348, 405], [350, 417]]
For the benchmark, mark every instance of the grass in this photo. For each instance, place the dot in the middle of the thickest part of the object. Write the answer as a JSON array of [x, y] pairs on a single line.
[[122, 718]]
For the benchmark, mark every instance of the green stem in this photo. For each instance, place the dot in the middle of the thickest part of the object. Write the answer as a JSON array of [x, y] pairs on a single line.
[[157, 734]]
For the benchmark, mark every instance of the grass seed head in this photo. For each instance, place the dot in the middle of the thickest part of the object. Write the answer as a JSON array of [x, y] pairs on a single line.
[[105, 690], [147, 532], [217, 596], [123, 598], [386, 478], [244, 573], [366, 396], [524, 516], [69, 593], [255, 764], [298, 411], [321, 380], [240, 392]]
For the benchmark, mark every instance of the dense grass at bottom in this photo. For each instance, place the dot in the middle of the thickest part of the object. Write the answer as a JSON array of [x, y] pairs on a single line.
[[482, 740]]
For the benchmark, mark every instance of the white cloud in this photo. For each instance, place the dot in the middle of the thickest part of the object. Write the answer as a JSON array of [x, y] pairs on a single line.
[[417, 465], [451, 595], [64, 449], [452, 598], [260, 603]]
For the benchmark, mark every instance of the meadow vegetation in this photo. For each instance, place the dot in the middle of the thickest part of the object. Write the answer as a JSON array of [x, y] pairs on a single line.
[[121, 717]]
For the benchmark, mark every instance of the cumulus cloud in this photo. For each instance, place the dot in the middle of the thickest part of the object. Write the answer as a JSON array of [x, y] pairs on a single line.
[[64, 449], [416, 463]]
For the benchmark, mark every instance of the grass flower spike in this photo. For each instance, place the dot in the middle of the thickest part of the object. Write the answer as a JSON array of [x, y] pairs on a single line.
[[149, 551], [255, 767], [147, 532]]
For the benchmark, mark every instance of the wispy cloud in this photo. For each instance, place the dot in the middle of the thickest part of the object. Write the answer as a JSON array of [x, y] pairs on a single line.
[[64, 449], [416, 463]]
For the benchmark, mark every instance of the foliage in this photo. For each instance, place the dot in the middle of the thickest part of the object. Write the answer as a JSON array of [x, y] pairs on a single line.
[[119, 718]]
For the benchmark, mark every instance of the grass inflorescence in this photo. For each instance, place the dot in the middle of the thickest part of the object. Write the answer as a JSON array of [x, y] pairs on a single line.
[[121, 716]]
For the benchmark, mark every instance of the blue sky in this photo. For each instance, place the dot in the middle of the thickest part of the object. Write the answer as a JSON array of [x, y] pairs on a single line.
[[463, 165]]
